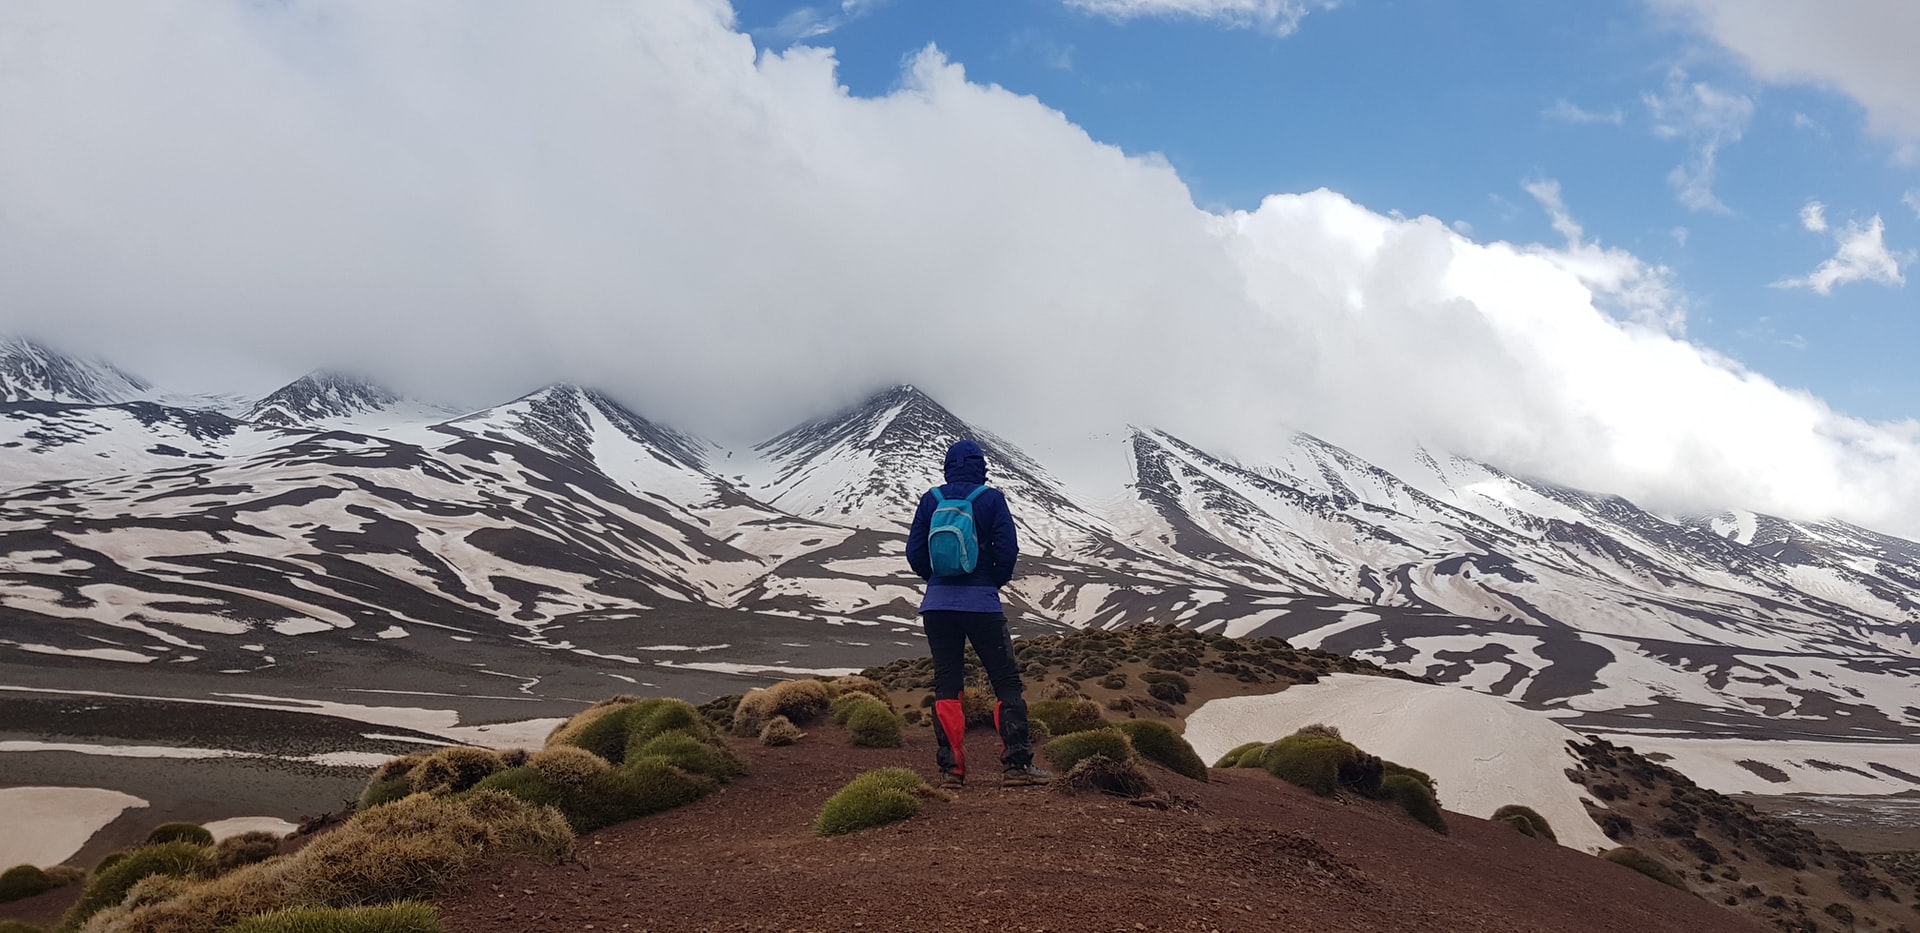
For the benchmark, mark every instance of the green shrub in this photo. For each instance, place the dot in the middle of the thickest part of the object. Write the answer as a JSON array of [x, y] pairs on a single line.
[[245, 849], [689, 754], [638, 788], [1525, 820], [600, 729], [1645, 864], [872, 799], [1416, 798], [781, 731], [1319, 728], [1252, 758], [1232, 758], [1119, 777], [1067, 750], [24, 881], [1167, 693], [844, 704], [388, 918], [381, 792], [110, 884], [1065, 717], [1322, 764], [192, 833], [1114, 681], [872, 725], [454, 769], [1389, 769], [652, 718], [1167, 677], [1157, 743]]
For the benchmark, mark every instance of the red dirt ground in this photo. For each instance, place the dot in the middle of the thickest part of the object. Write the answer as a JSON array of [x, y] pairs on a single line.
[[1244, 853]]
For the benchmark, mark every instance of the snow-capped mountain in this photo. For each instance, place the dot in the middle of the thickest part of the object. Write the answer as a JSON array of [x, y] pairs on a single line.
[[325, 399], [561, 520], [30, 372]]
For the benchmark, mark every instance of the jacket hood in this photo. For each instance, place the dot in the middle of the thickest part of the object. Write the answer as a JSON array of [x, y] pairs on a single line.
[[966, 463]]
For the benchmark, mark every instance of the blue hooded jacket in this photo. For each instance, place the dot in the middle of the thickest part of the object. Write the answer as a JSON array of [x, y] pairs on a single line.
[[978, 591]]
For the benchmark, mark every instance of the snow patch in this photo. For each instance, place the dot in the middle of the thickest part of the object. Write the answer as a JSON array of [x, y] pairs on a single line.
[[47, 825]]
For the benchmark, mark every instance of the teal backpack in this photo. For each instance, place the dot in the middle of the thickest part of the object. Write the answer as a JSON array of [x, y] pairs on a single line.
[[953, 546]]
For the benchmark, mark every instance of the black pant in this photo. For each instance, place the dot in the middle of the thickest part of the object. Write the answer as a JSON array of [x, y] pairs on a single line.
[[947, 636]]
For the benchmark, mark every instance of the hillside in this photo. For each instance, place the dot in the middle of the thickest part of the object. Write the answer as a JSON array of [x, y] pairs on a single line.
[[1245, 853]]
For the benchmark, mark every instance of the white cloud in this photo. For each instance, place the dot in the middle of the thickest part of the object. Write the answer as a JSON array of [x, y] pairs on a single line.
[[1708, 120], [1681, 235], [812, 22], [1814, 217], [473, 201], [1862, 48], [1862, 256], [1279, 17], [1912, 200], [1567, 112]]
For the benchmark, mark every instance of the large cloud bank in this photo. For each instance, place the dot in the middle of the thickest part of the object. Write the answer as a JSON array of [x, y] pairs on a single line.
[[476, 197]]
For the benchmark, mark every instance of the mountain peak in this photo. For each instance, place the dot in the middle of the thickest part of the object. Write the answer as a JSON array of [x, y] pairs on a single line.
[[31, 371], [321, 395]]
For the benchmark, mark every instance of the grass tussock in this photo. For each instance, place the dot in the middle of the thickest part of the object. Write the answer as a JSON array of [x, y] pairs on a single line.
[[854, 683], [1416, 798], [801, 701], [1645, 864], [1120, 777], [1234, 755], [1389, 769], [875, 798], [1065, 717], [1525, 820], [191, 833], [872, 724], [414, 849], [245, 849], [24, 881], [614, 795], [1323, 764], [1068, 750], [110, 885], [780, 731], [443, 771], [685, 751], [386, 918], [1158, 743]]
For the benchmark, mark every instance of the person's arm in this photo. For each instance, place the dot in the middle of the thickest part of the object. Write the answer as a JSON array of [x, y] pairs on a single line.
[[1003, 541], [917, 539]]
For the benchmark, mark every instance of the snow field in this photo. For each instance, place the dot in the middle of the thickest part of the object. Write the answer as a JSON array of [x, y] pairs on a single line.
[[1482, 751], [46, 825]]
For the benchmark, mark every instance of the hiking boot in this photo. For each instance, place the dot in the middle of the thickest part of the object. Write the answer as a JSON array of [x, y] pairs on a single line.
[[950, 780], [1025, 776]]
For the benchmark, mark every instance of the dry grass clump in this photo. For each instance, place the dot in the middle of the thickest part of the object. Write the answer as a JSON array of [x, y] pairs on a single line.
[[1389, 769], [615, 795], [1098, 773], [1067, 750], [192, 833], [1645, 864], [454, 769], [1319, 728], [1416, 799], [567, 766], [245, 849], [415, 848], [1525, 821], [780, 731], [872, 799], [1239, 753], [854, 683], [110, 885], [689, 753], [1064, 717], [24, 881], [386, 918], [1157, 743], [801, 701]]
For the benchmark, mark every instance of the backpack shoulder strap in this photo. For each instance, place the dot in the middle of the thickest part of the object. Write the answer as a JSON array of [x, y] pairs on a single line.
[[976, 491], [938, 498]]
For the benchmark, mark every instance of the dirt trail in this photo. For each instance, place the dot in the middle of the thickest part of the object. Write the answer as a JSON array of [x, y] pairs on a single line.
[[1245, 853]]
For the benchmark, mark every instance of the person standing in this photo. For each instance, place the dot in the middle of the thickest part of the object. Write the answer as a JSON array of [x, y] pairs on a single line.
[[963, 544]]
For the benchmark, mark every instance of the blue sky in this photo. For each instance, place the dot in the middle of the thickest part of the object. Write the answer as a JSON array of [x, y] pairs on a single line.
[[1448, 108]]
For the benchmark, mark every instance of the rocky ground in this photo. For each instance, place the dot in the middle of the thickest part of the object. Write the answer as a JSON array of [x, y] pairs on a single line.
[[1244, 852]]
